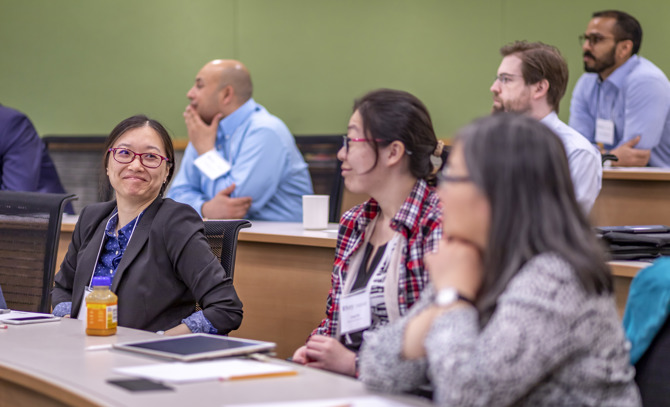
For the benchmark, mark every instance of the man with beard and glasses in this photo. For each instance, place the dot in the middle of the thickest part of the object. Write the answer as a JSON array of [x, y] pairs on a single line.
[[241, 161], [623, 101], [532, 79]]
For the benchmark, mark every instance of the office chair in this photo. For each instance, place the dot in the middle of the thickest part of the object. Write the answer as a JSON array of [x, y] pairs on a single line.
[[29, 230], [77, 161], [652, 371], [222, 237]]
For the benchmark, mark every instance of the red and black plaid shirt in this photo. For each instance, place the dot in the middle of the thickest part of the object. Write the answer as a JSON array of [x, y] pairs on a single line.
[[419, 220]]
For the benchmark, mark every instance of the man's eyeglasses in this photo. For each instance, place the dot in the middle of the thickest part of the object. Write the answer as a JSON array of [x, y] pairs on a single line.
[[506, 78], [594, 39], [126, 156]]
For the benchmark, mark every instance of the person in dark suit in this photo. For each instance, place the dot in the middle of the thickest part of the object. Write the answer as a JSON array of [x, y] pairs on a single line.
[[25, 164], [154, 249]]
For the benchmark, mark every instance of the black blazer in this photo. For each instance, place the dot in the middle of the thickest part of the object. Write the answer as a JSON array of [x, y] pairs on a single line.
[[166, 268]]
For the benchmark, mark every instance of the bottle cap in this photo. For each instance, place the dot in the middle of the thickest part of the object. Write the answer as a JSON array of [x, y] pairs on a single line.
[[101, 281]]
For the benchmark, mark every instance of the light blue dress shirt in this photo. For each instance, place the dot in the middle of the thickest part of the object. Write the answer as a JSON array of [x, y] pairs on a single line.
[[636, 97], [265, 165], [584, 159]]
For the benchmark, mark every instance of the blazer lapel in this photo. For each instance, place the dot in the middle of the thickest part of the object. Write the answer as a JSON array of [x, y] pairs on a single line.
[[137, 241]]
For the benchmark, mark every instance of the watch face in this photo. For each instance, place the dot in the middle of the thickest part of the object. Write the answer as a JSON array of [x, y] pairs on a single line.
[[446, 296]]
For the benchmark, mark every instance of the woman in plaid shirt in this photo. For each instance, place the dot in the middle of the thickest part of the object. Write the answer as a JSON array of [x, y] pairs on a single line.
[[378, 272]]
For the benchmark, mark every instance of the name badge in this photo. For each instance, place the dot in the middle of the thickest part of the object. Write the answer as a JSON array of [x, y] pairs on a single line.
[[604, 131], [212, 164], [355, 314]]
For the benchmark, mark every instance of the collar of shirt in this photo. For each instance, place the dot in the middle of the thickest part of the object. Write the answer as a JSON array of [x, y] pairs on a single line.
[[550, 119], [125, 231], [407, 217], [230, 123], [618, 77]]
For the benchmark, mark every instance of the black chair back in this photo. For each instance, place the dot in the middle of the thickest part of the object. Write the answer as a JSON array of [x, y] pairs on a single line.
[[77, 160], [652, 371], [29, 231], [222, 237]]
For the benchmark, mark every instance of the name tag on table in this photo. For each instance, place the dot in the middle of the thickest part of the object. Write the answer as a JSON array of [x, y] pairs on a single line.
[[604, 131], [355, 314], [212, 164]]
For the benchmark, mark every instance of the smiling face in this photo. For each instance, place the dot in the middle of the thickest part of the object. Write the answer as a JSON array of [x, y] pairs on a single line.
[[133, 182], [358, 164], [510, 92], [466, 211]]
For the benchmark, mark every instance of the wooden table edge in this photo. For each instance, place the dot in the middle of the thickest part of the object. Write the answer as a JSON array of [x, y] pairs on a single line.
[[636, 175], [46, 387], [287, 239]]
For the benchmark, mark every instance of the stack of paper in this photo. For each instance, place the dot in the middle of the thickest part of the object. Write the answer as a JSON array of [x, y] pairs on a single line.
[[229, 369]]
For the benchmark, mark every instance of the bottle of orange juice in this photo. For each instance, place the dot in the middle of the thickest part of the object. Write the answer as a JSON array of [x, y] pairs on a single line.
[[101, 308]]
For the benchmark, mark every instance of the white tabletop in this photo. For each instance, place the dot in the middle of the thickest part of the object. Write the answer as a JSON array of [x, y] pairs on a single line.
[[54, 357], [290, 229]]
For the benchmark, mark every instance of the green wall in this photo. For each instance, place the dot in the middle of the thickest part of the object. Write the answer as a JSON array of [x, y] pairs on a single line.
[[81, 66]]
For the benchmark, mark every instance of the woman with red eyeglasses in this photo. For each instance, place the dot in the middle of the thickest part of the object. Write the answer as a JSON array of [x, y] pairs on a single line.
[[154, 250], [378, 272]]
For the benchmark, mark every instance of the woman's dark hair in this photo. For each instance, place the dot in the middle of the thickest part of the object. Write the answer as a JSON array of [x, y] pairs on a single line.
[[521, 167], [391, 115], [131, 123]]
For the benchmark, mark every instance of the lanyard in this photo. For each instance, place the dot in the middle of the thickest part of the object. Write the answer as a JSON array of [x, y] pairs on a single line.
[[354, 267], [87, 289]]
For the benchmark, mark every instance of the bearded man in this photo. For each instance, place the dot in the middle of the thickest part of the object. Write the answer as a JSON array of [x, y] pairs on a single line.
[[532, 79], [622, 101]]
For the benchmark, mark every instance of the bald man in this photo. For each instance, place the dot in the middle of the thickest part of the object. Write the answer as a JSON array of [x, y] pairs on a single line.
[[241, 161]]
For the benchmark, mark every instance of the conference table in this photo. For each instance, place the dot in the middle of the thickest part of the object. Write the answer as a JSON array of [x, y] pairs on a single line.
[[282, 276], [48, 364], [633, 196], [623, 273]]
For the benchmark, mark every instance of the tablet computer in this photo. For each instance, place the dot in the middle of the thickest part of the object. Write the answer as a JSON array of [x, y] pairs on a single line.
[[35, 319], [196, 347]]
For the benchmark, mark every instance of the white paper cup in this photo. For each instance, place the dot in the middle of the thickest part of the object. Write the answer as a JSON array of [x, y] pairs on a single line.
[[315, 211]]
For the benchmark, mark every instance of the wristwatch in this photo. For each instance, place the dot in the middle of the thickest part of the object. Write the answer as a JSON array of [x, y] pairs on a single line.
[[447, 296]]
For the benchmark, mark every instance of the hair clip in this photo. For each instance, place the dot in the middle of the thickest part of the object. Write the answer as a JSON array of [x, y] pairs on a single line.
[[438, 148]]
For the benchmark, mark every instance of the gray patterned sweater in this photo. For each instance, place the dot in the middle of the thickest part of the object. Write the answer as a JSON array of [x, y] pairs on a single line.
[[547, 344]]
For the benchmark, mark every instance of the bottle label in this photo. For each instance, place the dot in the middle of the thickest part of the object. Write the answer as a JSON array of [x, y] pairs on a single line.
[[101, 316]]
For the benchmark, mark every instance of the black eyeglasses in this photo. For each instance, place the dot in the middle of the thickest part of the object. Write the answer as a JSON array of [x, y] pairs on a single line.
[[594, 39], [126, 156]]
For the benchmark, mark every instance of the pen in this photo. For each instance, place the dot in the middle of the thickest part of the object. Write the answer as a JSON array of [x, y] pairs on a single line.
[[3, 326], [259, 375]]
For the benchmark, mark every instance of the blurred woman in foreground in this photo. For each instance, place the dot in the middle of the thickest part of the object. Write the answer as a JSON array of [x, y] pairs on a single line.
[[520, 311]]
